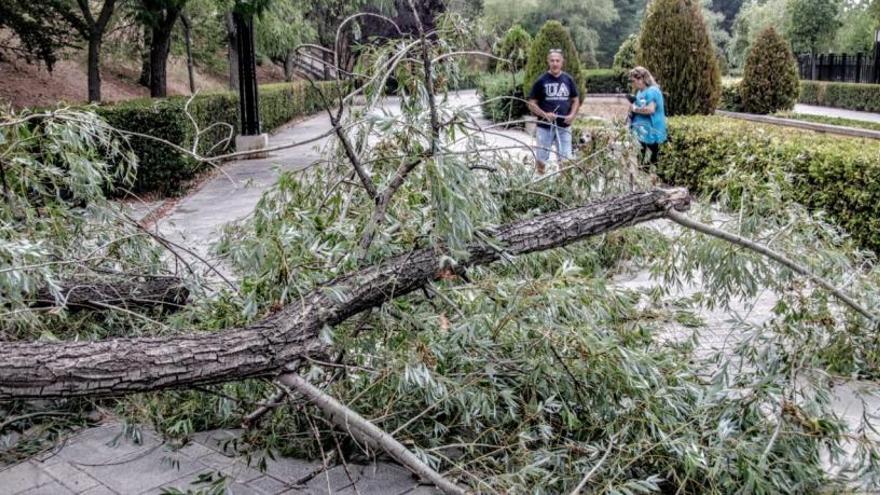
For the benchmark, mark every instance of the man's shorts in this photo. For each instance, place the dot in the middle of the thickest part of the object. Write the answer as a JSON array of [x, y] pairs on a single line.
[[550, 136]]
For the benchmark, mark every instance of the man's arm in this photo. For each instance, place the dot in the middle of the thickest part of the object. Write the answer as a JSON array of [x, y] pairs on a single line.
[[536, 110], [575, 105]]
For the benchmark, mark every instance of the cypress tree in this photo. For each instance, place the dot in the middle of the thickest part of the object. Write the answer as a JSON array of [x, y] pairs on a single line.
[[514, 47], [553, 35], [625, 58], [674, 45], [770, 79]]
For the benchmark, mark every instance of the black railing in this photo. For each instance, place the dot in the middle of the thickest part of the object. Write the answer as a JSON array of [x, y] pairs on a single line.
[[840, 67]]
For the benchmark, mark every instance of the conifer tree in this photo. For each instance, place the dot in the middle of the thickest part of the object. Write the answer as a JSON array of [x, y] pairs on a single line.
[[553, 35], [513, 47], [674, 45], [770, 80]]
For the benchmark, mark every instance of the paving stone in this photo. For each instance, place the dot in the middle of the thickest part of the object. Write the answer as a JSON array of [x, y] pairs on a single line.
[[269, 485], [53, 488], [99, 490], [234, 467], [337, 480], [195, 450], [21, 477], [143, 473], [101, 445], [290, 470], [215, 439], [71, 477]]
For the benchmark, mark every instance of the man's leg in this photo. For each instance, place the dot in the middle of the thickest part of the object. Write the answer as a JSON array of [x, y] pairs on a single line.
[[542, 151], [563, 145]]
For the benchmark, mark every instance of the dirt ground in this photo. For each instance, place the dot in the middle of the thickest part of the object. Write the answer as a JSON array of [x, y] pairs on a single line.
[[32, 85], [604, 107]]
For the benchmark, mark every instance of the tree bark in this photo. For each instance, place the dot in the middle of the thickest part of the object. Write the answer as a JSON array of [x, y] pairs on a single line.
[[94, 29], [187, 38], [288, 65], [232, 44], [144, 78], [94, 68], [159, 50], [129, 294], [128, 365]]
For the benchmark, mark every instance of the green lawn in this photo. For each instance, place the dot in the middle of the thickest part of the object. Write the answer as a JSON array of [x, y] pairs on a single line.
[[821, 119]]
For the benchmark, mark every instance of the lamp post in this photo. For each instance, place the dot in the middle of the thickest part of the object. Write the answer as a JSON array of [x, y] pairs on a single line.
[[250, 138], [876, 75]]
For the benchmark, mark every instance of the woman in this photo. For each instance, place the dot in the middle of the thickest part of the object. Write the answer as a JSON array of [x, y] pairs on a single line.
[[649, 114]]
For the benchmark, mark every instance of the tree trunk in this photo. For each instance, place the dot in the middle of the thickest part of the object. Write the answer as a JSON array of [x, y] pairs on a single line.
[[144, 79], [232, 47], [128, 294], [288, 66], [94, 67], [128, 365], [187, 38], [159, 50]]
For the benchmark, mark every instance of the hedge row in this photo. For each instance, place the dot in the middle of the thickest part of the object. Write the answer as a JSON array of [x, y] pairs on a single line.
[[850, 96], [865, 97], [163, 169], [604, 81], [834, 174], [501, 96]]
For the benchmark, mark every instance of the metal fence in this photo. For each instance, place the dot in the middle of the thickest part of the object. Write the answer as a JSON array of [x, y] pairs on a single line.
[[840, 67]]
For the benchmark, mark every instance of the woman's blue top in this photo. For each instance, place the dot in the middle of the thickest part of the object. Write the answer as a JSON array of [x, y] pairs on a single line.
[[650, 129]]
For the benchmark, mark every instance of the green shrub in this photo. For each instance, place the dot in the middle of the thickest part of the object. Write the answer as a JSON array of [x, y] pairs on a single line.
[[499, 86], [731, 98], [770, 79], [163, 169], [553, 35], [674, 45], [865, 97], [604, 81], [513, 47], [830, 173], [625, 58]]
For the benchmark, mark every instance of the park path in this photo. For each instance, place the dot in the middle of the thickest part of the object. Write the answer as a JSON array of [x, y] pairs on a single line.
[[92, 463], [837, 112]]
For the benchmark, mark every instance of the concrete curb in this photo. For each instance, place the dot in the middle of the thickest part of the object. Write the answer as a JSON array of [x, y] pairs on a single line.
[[800, 124]]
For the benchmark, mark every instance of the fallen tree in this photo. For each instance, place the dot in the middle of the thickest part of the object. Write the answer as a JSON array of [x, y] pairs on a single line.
[[128, 365], [169, 292]]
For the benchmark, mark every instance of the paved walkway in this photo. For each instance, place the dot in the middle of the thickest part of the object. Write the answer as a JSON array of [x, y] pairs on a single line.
[[88, 464], [837, 112]]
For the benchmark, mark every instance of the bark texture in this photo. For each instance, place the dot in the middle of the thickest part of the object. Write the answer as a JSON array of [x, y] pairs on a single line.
[[127, 365], [130, 294]]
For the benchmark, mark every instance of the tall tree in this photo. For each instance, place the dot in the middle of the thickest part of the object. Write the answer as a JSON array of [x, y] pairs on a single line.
[[812, 24], [91, 28], [582, 18], [160, 16], [613, 35], [40, 34], [674, 45], [281, 29]]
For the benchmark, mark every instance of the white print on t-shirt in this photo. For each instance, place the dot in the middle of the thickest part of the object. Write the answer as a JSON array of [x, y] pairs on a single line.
[[556, 91]]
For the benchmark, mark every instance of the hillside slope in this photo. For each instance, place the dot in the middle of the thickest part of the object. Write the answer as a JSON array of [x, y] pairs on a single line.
[[29, 85]]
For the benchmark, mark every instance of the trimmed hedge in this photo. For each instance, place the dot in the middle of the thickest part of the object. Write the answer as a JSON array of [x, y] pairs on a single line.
[[851, 96], [502, 84], [604, 81], [164, 170], [831, 173]]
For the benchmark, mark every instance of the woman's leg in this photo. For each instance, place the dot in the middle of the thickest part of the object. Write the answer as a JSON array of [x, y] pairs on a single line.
[[655, 153]]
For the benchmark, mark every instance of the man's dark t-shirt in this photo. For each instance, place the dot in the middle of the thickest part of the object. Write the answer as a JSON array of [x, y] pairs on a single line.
[[554, 94]]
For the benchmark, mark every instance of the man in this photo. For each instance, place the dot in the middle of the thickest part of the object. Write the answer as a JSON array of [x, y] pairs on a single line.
[[554, 99]]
